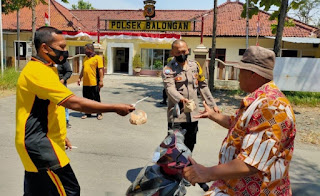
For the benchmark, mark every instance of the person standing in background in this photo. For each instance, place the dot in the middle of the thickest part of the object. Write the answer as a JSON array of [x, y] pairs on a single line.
[[92, 73], [65, 73]]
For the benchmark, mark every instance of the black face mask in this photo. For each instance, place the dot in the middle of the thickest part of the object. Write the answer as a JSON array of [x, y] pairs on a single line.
[[182, 58], [61, 56], [88, 54]]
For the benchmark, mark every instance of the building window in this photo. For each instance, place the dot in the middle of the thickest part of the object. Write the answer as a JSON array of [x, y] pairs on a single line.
[[289, 53], [241, 52], [74, 50], [80, 50], [154, 59], [220, 53]]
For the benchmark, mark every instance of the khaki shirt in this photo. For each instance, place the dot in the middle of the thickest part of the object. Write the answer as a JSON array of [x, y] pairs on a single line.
[[184, 83]]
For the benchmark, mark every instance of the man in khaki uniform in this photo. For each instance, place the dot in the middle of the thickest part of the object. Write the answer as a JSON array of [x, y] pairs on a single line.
[[182, 78]]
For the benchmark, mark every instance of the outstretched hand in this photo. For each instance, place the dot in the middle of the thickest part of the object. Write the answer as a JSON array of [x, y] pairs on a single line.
[[124, 109], [206, 112]]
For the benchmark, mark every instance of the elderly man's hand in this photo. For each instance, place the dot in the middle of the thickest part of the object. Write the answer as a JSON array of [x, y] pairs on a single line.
[[196, 173], [216, 109], [207, 112]]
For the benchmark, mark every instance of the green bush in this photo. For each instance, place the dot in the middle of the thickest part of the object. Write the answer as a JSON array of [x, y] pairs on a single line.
[[9, 80], [158, 64], [297, 98], [136, 61]]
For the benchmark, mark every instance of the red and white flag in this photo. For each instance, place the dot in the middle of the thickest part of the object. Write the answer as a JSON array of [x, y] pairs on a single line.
[[46, 19]]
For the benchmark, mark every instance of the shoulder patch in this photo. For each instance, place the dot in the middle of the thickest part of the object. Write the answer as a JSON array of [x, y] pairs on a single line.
[[167, 70], [201, 77]]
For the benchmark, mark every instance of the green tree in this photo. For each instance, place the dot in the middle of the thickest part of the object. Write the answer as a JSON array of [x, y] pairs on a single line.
[[82, 5], [14, 5], [307, 10], [279, 15]]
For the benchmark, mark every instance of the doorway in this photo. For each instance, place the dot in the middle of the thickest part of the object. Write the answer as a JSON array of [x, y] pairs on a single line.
[[121, 60]]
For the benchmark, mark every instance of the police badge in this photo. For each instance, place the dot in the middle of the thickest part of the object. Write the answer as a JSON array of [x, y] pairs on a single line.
[[149, 11]]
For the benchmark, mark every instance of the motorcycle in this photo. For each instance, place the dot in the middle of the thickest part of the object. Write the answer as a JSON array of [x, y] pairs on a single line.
[[165, 177]]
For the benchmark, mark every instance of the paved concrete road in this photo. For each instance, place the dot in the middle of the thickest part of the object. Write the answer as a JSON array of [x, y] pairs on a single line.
[[111, 151]]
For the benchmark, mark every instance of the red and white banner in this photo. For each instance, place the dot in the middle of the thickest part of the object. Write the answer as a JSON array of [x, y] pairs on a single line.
[[149, 37]]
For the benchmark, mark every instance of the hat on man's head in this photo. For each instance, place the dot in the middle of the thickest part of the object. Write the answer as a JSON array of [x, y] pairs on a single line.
[[259, 60]]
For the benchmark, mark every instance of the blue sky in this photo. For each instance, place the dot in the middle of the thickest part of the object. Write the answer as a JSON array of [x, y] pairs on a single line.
[[161, 4]]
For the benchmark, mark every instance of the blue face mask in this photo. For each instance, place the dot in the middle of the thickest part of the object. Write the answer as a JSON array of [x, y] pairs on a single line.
[[61, 56]]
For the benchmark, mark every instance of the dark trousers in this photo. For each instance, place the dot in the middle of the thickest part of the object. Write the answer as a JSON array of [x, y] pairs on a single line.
[[91, 92], [164, 96], [51, 183], [190, 138]]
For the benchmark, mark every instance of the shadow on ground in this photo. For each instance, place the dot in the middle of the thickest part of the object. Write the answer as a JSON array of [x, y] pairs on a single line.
[[222, 96], [305, 177], [76, 114], [79, 115], [150, 90]]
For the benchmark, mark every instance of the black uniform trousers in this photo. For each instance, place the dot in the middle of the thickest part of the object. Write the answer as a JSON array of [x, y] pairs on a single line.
[[190, 138], [57, 182], [91, 92]]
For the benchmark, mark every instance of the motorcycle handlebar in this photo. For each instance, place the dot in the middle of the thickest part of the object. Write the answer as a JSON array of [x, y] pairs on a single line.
[[204, 186]]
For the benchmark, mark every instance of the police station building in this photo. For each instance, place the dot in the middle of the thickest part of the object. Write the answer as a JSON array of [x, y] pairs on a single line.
[[147, 33]]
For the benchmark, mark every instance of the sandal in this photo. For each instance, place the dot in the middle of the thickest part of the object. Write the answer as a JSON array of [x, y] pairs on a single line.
[[99, 117]]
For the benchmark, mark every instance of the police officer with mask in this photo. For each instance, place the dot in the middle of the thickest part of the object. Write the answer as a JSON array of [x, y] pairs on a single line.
[[182, 79], [40, 121]]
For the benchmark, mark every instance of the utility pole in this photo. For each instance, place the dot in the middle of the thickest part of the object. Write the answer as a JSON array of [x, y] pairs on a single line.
[[1, 40], [213, 48], [18, 37], [247, 24]]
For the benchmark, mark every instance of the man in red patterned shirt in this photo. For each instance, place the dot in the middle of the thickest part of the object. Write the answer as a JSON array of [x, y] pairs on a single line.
[[255, 155]]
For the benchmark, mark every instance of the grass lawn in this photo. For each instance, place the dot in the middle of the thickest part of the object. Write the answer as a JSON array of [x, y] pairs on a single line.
[[8, 81], [310, 99]]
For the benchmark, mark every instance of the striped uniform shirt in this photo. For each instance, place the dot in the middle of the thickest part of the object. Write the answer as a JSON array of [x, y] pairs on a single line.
[[261, 135], [40, 120]]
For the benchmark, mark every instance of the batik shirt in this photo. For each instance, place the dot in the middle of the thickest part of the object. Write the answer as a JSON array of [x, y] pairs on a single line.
[[261, 135]]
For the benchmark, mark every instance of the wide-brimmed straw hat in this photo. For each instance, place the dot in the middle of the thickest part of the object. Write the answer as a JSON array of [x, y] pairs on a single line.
[[259, 60]]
